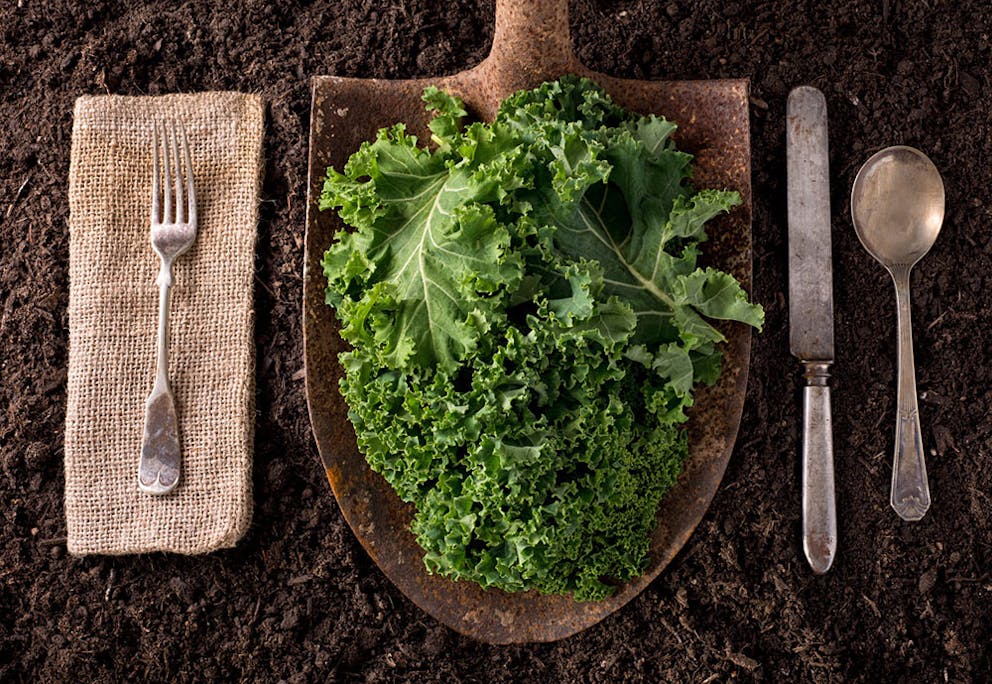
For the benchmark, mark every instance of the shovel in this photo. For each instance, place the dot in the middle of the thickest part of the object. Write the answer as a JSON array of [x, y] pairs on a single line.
[[531, 45]]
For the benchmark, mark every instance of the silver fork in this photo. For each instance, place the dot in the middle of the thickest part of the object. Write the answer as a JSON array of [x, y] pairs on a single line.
[[173, 230]]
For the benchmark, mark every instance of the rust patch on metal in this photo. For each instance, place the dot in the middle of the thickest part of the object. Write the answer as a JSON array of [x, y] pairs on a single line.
[[713, 125]]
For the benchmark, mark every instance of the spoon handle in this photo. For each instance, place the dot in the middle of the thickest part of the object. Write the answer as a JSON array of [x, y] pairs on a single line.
[[910, 489]]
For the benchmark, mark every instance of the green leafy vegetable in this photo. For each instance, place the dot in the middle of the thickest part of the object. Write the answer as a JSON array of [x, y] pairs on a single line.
[[528, 320]]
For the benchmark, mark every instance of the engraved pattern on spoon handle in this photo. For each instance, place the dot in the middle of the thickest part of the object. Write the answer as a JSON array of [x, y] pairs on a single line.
[[910, 488]]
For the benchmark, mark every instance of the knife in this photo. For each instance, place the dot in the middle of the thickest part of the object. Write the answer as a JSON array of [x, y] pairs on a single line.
[[811, 313]]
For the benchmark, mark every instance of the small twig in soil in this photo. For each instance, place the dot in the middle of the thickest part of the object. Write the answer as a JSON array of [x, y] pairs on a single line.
[[302, 579], [8, 306], [869, 467], [54, 541], [873, 606], [939, 318], [975, 490], [268, 289], [671, 630], [881, 417], [17, 196], [110, 585]]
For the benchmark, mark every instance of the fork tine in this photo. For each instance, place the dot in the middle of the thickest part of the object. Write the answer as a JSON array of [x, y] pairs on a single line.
[[156, 216], [190, 193], [180, 200], [167, 178]]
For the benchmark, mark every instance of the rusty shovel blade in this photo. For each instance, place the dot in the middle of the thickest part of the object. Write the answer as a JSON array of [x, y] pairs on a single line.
[[531, 45]]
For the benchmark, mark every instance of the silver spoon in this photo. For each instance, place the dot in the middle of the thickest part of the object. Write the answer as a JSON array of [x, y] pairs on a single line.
[[897, 204]]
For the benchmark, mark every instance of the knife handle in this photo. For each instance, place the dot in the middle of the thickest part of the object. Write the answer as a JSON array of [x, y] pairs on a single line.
[[819, 512]]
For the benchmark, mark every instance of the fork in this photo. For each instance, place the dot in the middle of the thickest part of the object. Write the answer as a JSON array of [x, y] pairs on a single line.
[[173, 230]]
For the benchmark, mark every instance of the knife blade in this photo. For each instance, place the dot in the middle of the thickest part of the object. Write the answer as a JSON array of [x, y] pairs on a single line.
[[811, 315]]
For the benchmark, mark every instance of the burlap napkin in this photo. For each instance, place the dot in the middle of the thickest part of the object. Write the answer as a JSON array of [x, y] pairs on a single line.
[[113, 318]]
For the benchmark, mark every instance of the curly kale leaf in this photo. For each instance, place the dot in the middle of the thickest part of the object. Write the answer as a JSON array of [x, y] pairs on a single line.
[[528, 320]]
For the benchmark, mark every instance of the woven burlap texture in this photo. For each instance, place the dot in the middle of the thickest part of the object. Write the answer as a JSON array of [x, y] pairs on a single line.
[[113, 319]]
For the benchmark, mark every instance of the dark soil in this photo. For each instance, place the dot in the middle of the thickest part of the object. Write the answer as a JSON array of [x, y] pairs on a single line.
[[298, 599]]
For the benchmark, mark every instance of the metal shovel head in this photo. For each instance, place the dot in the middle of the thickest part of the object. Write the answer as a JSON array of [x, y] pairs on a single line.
[[713, 125]]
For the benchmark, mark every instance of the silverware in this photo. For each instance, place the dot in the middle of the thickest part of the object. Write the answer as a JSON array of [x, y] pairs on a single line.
[[811, 313], [897, 204], [173, 230]]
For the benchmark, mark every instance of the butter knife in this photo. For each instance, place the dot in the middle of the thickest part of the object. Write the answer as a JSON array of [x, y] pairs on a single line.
[[811, 313]]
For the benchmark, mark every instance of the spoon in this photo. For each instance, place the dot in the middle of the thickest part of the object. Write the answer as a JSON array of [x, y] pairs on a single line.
[[897, 204]]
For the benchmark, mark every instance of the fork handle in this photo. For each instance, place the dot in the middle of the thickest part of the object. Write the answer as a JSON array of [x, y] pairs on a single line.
[[160, 466], [164, 298]]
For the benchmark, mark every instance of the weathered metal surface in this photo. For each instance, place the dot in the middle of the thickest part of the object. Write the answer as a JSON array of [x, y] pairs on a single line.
[[811, 312], [811, 294], [531, 45]]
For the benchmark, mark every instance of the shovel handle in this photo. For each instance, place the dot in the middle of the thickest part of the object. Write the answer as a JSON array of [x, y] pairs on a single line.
[[533, 35]]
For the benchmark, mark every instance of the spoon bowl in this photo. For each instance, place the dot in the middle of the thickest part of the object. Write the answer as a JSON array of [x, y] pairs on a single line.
[[897, 205]]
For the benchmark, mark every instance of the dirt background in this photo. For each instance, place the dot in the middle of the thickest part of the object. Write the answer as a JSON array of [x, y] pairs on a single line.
[[299, 600]]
